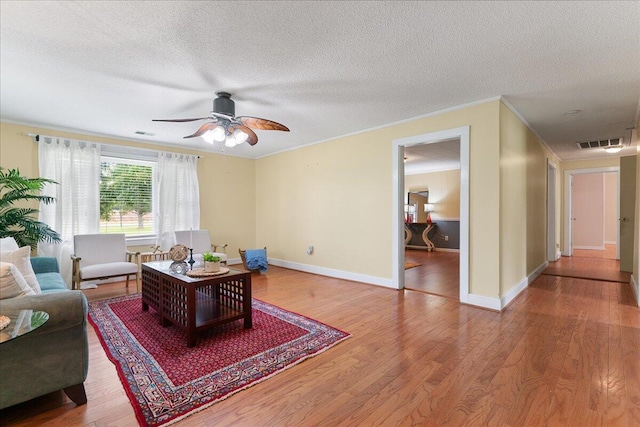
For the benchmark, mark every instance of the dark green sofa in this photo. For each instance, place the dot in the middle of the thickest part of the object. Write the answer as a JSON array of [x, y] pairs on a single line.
[[56, 355]]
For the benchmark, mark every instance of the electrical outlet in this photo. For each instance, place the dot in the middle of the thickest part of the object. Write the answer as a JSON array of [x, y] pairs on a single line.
[[309, 250], [446, 238]]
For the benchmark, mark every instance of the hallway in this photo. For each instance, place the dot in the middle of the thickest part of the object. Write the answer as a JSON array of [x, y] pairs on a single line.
[[590, 264]]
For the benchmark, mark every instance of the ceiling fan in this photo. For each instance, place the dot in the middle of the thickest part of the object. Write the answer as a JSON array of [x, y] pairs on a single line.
[[222, 125]]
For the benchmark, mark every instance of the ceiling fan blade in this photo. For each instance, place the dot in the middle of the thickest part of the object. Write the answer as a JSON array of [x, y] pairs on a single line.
[[253, 138], [261, 124], [204, 128], [180, 120]]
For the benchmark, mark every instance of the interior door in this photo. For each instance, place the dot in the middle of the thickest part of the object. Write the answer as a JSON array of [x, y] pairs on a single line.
[[588, 211]]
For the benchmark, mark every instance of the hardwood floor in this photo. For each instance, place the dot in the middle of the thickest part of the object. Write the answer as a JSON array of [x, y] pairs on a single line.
[[566, 352], [590, 264], [437, 274], [609, 252]]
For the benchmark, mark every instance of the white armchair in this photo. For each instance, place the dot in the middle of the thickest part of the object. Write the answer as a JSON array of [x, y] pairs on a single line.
[[103, 256], [200, 242]]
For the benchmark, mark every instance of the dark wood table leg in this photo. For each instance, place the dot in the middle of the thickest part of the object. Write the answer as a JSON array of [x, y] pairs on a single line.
[[191, 338], [145, 306], [191, 315], [246, 301]]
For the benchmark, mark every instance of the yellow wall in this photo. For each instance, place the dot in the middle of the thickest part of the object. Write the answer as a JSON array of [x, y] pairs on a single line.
[[334, 196], [337, 196], [523, 180], [227, 184], [444, 191], [636, 239], [536, 190]]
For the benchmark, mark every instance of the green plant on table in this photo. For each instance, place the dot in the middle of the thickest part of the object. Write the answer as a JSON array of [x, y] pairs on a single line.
[[209, 257]]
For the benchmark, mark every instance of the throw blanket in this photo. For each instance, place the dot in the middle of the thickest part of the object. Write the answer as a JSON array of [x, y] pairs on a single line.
[[256, 259]]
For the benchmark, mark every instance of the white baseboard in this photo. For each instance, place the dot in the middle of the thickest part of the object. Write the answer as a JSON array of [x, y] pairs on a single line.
[[484, 302], [537, 272], [447, 250], [590, 248], [339, 274], [478, 300], [512, 293], [636, 290], [558, 255]]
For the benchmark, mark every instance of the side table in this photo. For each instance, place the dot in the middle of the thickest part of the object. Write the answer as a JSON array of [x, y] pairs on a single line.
[[22, 322], [154, 256]]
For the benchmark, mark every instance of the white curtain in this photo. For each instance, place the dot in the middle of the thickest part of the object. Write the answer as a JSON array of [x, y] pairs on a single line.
[[75, 166], [177, 196]]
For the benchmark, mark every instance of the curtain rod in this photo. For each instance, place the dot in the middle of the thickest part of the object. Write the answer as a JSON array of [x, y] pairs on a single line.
[[36, 138]]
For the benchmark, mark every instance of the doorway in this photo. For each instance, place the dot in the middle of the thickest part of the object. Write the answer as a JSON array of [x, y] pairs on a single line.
[[432, 185], [398, 199], [592, 212]]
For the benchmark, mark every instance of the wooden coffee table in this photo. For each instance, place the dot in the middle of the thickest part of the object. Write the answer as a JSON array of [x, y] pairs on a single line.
[[196, 304]]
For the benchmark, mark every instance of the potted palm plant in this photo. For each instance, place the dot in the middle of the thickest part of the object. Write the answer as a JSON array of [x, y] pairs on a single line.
[[21, 222], [211, 262]]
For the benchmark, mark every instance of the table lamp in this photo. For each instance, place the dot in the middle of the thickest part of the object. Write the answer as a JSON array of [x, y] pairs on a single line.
[[428, 208]]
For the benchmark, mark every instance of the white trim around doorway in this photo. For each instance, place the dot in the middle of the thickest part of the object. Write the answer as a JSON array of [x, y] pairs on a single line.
[[552, 250], [567, 249], [397, 232]]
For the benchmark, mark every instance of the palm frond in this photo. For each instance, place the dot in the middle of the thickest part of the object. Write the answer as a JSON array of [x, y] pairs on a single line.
[[21, 223]]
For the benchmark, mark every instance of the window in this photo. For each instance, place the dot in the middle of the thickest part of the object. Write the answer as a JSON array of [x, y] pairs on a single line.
[[126, 196], [117, 189]]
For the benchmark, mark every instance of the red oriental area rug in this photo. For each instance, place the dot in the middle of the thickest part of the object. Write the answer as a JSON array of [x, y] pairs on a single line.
[[167, 381]]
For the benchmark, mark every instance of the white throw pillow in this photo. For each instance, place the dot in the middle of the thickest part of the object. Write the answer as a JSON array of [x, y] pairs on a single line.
[[8, 244], [12, 283], [22, 260]]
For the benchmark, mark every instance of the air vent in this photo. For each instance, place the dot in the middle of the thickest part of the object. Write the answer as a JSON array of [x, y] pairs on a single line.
[[139, 132], [599, 144]]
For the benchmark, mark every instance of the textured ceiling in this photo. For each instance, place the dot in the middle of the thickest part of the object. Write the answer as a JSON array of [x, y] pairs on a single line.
[[324, 69], [439, 156]]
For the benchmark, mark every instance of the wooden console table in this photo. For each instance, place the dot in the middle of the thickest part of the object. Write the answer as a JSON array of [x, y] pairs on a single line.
[[417, 235], [195, 304]]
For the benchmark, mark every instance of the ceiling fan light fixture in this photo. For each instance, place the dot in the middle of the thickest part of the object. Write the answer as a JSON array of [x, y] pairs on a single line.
[[240, 136], [216, 134], [219, 133], [208, 136], [230, 141], [224, 126]]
